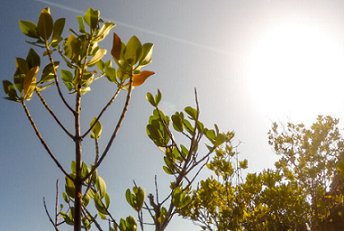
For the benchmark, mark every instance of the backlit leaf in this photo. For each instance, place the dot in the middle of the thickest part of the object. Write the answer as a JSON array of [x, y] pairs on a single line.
[[45, 24], [29, 83], [92, 18], [29, 29], [57, 30], [133, 50], [116, 47]]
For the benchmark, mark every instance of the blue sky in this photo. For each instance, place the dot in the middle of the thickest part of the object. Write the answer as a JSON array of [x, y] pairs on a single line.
[[200, 44]]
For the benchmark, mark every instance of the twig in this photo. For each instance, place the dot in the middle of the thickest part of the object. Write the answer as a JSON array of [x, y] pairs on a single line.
[[46, 211], [43, 142], [125, 108], [57, 81], [52, 114], [101, 113], [56, 201]]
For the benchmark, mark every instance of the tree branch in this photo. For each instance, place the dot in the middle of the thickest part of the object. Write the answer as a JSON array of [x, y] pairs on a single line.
[[43, 142]]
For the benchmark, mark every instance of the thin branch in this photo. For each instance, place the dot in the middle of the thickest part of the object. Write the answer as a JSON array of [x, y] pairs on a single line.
[[57, 81], [52, 114], [43, 142], [56, 201], [46, 211], [125, 108], [92, 219], [102, 112]]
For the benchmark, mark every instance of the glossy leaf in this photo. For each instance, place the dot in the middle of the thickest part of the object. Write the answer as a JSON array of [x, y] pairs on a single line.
[[101, 65], [147, 52], [96, 57], [99, 205], [72, 48], [10, 90], [110, 74], [101, 186], [191, 112], [151, 99], [116, 47], [45, 24], [107, 200], [92, 18], [133, 50], [29, 83], [29, 29], [48, 73], [81, 24], [104, 31], [177, 122], [57, 31], [67, 78], [22, 66], [70, 187], [141, 78], [96, 130], [33, 59]]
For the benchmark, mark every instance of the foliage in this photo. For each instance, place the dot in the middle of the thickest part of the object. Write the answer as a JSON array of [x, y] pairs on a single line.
[[84, 64], [293, 196]]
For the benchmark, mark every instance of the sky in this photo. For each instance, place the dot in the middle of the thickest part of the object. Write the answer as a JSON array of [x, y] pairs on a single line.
[[253, 62]]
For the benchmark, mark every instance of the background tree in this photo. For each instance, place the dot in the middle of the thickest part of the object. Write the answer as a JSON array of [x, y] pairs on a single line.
[[296, 194]]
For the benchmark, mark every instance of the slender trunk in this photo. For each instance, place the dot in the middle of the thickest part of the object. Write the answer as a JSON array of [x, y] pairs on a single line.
[[78, 159]]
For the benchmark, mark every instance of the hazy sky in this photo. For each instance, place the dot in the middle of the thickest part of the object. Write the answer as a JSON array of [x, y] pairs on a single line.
[[252, 62]]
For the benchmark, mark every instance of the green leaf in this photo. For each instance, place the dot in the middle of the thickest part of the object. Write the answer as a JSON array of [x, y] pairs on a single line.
[[81, 24], [29, 29], [158, 97], [177, 120], [129, 197], [110, 74], [72, 48], [29, 83], [220, 139], [96, 57], [92, 18], [67, 78], [45, 24], [33, 59], [104, 31], [70, 187], [150, 99], [22, 66], [48, 73], [107, 200], [73, 166], [86, 199], [101, 186], [10, 90], [140, 197], [147, 52], [188, 127], [99, 205], [191, 112], [168, 170], [133, 50], [96, 130], [101, 65], [243, 164], [57, 31]]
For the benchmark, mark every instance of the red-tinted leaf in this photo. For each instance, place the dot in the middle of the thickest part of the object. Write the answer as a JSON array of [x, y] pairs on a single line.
[[116, 47]]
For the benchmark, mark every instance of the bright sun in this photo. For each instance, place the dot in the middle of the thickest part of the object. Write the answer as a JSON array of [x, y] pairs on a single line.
[[296, 71]]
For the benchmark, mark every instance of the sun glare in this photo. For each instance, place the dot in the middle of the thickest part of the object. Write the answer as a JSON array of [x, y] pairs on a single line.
[[296, 70]]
